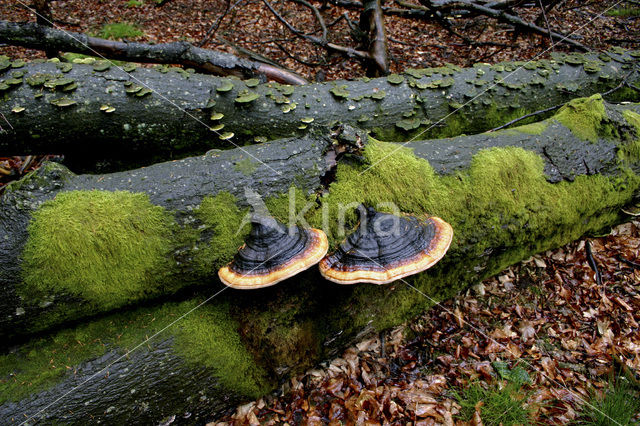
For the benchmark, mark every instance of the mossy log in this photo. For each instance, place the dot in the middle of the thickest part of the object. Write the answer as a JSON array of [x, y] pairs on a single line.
[[507, 194], [154, 221], [93, 112]]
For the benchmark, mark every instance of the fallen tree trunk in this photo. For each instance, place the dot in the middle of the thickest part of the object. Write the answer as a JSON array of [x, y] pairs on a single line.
[[507, 195], [100, 112], [34, 36]]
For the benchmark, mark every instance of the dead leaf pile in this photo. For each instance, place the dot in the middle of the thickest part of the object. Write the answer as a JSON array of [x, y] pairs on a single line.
[[546, 323]]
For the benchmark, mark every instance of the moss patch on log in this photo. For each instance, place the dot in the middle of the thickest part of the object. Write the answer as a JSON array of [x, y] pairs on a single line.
[[584, 117], [105, 247], [630, 152], [206, 337], [222, 218]]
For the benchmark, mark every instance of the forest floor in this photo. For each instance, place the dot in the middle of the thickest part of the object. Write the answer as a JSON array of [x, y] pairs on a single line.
[[547, 341]]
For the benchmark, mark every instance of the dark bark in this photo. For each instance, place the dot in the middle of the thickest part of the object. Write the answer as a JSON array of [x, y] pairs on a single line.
[[290, 327], [36, 36], [44, 18], [174, 119], [372, 24]]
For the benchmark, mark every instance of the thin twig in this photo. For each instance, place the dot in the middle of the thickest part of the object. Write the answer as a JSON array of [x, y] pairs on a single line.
[[404, 43], [506, 17], [546, 21], [217, 23], [297, 58], [631, 263], [592, 262], [532, 114], [621, 84], [317, 14], [6, 121], [349, 52]]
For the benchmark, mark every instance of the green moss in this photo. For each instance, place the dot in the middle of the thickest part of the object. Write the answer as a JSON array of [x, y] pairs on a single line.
[[119, 30], [293, 339], [285, 207], [534, 128], [205, 337], [209, 337], [630, 151], [624, 11], [105, 247], [583, 117], [502, 204], [246, 166], [463, 121], [633, 119], [222, 221]]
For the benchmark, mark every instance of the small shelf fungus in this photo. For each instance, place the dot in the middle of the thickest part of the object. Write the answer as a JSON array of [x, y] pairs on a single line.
[[273, 253], [386, 248]]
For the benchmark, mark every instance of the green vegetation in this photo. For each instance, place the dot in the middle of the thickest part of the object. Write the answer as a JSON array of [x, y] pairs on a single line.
[[503, 193], [534, 128], [105, 247], [503, 203], [583, 117], [208, 337], [502, 403], [630, 151], [246, 166], [498, 405], [205, 337], [618, 405], [624, 11], [119, 30], [223, 220]]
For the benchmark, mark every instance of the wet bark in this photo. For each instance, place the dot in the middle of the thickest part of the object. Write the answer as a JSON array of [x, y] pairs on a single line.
[[117, 119]]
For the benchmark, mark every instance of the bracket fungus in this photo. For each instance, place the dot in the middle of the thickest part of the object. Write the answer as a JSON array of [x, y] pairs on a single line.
[[387, 247], [273, 253]]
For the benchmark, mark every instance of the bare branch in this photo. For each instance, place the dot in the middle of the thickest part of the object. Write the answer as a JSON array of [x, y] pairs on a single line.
[[546, 21], [35, 36], [504, 17], [217, 22], [349, 52], [372, 24]]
